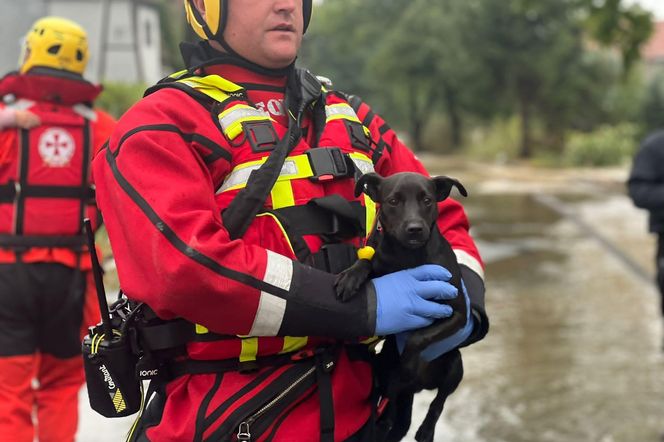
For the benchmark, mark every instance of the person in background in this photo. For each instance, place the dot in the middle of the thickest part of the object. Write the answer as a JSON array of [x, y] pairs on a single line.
[[646, 188], [228, 196], [48, 134]]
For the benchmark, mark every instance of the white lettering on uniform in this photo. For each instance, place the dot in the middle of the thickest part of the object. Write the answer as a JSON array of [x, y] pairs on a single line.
[[274, 107]]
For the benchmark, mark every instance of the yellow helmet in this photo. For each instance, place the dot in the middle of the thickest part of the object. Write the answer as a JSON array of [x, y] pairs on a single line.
[[56, 43], [211, 27]]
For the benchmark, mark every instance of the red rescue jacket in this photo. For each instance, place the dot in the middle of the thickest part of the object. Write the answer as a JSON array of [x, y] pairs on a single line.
[[170, 170]]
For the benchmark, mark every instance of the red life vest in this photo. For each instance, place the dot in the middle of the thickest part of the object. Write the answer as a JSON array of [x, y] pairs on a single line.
[[289, 225], [45, 190]]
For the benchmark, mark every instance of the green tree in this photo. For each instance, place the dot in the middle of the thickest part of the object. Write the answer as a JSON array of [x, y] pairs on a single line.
[[614, 24]]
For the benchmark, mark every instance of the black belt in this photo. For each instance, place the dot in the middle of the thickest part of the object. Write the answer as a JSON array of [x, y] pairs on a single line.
[[189, 366], [70, 242], [9, 192]]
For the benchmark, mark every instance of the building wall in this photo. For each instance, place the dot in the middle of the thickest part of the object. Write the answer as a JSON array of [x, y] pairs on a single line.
[[15, 19], [122, 63]]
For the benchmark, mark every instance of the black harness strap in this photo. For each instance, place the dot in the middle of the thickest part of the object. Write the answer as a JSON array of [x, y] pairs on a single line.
[[330, 216], [23, 180], [7, 192], [85, 194], [87, 147], [303, 89], [27, 241], [325, 363]]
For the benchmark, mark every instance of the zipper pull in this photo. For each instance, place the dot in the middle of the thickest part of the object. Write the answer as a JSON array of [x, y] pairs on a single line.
[[243, 434]]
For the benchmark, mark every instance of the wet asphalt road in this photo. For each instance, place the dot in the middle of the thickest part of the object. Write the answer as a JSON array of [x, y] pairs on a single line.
[[574, 348]]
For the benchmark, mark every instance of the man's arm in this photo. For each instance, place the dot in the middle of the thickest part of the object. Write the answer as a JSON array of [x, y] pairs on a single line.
[[17, 118]]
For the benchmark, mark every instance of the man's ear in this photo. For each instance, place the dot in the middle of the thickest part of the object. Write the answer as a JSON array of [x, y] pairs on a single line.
[[369, 183], [444, 187], [200, 5]]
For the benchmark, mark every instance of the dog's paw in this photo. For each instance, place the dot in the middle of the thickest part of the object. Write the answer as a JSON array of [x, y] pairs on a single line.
[[346, 286]]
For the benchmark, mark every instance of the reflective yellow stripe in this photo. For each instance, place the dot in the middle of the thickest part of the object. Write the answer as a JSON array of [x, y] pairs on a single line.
[[292, 343], [283, 231], [294, 167], [370, 214], [178, 74], [249, 349], [210, 82], [200, 330], [362, 162], [340, 111], [343, 111], [232, 118], [214, 86], [282, 195]]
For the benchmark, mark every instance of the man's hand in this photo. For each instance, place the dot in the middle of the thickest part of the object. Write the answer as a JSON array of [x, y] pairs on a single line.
[[439, 348], [26, 119], [406, 300]]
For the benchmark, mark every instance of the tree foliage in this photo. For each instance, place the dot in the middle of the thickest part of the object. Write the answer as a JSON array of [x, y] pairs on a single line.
[[474, 60]]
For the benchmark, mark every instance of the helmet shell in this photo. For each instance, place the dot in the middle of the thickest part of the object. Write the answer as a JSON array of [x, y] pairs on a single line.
[[211, 27], [57, 43]]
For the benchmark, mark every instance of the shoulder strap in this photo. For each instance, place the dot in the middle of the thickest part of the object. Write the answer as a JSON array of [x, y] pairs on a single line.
[[303, 90]]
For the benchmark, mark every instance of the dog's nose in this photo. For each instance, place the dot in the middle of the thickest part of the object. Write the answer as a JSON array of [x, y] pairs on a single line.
[[414, 228]]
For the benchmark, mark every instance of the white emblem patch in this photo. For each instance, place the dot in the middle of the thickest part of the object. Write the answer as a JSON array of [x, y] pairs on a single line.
[[56, 147]]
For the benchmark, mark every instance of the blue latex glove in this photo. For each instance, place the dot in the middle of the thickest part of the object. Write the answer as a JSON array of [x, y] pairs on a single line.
[[439, 348], [406, 299]]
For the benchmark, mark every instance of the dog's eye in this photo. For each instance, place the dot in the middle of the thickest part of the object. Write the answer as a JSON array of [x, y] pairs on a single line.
[[393, 202], [427, 201]]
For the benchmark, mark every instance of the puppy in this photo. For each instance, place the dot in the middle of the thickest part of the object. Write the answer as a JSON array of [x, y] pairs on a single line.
[[407, 236]]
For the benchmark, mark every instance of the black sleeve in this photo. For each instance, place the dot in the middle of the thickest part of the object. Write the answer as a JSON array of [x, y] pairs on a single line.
[[313, 307], [646, 180], [475, 287]]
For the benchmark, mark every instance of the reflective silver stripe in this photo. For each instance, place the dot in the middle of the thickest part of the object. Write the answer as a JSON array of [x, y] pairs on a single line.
[[278, 271], [340, 110], [85, 112], [241, 176], [364, 165], [469, 261], [271, 309], [237, 177], [237, 114], [21, 104], [270, 315]]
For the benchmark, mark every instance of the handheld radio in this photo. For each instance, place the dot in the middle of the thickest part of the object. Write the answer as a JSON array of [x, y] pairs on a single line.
[[114, 390]]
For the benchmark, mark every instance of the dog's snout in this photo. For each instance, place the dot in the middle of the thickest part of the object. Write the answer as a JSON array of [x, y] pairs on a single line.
[[415, 228]]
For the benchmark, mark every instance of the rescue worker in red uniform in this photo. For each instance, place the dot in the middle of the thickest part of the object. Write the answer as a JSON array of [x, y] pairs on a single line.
[[49, 131], [271, 353]]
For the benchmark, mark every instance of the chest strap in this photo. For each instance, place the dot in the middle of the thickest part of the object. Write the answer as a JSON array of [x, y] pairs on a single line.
[[13, 190], [318, 164], [27, 241]]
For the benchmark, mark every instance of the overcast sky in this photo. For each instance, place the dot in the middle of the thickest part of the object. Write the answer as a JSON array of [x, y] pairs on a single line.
[[656, 6]]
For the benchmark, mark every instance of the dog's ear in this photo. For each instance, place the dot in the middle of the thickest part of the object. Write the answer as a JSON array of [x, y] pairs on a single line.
[[444, 187], [368, 183]]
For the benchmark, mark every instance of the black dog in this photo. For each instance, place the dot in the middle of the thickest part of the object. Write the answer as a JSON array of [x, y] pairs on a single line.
[[408, 237]]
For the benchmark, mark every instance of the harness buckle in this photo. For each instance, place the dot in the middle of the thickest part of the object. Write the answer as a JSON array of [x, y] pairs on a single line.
[[261, 135], [329, 163]]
